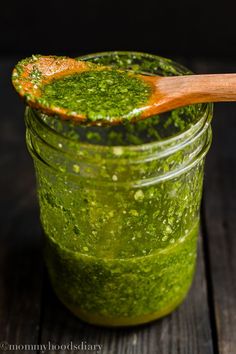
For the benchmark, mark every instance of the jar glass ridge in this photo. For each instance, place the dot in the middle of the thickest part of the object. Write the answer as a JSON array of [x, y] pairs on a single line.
[[120, 221]]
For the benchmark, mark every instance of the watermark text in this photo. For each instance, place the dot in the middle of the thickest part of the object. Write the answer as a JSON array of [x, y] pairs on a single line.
[[49, 346]]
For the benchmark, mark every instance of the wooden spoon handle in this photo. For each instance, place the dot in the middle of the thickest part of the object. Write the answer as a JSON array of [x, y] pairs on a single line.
[[178, 91], [200, 88]]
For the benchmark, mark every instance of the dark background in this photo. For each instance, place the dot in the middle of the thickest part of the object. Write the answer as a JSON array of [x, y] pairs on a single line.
[[201, 35], [169, 28]]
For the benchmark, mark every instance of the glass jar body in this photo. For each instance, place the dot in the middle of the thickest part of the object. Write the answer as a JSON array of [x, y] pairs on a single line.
[[133, 252], [120, 224]]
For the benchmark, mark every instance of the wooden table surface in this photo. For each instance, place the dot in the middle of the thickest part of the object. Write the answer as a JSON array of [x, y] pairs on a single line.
[[30, 312]]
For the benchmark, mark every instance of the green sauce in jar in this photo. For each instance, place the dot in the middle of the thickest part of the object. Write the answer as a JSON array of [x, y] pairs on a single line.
[[120, 205]]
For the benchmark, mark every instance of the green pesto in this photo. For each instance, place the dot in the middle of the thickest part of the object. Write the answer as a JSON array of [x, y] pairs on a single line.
[[99, 94], [35, 76], [122, 288], [120, 240]]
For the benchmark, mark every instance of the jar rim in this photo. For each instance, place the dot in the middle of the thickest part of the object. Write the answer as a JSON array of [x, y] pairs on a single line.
[[201, 140]]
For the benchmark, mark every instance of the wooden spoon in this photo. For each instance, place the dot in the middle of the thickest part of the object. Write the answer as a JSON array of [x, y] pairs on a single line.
[[167, 93]]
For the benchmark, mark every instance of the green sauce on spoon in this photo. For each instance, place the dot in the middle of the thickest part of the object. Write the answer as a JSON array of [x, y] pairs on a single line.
[[98, 94]]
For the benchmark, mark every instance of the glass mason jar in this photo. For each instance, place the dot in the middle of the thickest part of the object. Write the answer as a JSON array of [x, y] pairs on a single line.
[[120, 205]]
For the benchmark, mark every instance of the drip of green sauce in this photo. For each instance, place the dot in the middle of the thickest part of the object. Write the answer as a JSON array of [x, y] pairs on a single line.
[[101, 94]]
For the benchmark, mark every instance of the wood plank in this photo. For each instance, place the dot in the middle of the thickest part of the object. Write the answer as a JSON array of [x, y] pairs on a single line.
[[220, 220], [20, 251]]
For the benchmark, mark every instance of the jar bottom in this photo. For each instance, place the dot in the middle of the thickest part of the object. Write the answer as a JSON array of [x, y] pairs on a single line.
[[123, 321], [76, 278]]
